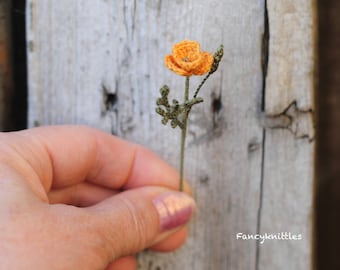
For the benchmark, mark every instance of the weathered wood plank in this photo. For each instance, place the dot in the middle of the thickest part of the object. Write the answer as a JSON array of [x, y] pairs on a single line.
[[101, 63], [5, 64], [288, 176]]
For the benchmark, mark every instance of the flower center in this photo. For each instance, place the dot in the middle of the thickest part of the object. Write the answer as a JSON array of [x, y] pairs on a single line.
[[186, 59]]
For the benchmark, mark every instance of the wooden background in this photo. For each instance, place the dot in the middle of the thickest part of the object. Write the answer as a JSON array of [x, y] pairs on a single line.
[[328, 126], [250, 152], [5, 65], [101, 63], [13, 79]]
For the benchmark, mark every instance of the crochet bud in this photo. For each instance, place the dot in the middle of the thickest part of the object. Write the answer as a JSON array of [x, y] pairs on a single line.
[[217, 59]]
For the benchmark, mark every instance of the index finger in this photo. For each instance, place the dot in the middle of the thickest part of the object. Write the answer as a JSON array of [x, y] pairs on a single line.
[[66, 155]]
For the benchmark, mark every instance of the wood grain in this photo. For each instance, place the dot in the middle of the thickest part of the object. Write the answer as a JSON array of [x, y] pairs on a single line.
[[100, 63], [288, 182]]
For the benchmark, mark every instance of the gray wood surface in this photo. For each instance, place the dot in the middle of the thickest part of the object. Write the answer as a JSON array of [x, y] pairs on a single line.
[[250, 160]]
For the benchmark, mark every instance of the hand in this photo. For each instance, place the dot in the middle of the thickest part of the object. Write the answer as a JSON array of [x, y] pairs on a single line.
[[76, 198]]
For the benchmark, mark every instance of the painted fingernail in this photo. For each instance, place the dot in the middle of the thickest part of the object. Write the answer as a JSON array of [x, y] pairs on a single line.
[[174, 209]]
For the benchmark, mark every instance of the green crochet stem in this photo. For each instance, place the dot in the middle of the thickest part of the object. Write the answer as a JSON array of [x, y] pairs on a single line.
[[184, 133]]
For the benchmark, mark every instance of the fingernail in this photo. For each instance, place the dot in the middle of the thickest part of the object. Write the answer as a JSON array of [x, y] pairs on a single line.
[[174, 209]]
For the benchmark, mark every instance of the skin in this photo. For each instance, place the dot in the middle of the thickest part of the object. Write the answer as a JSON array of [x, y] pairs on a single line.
[[72, 197]]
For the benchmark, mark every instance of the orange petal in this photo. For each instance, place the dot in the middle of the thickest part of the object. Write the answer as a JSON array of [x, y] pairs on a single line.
[[189, 66], [187, 51], [171, 64], [187, 54], [207, 60]]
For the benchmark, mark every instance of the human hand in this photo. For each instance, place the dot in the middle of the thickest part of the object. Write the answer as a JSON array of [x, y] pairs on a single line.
[[76, 198]]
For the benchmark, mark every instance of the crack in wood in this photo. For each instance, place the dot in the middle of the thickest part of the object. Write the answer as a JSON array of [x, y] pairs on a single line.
[[265, 54], [217, 105], [109, 105], [298, 121], [120, 125], [110, 100], [264, 61]]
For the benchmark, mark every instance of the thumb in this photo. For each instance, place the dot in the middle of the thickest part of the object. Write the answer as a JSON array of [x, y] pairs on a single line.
[[138, 218]]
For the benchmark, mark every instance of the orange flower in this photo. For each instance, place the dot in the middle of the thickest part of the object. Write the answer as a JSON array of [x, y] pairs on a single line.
[[187, 59]]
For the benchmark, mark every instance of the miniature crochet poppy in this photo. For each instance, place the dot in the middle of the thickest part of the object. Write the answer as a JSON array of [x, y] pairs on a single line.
[[187, 59]]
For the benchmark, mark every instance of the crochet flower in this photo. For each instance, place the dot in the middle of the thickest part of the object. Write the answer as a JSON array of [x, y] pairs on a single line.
[[188, 60]]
